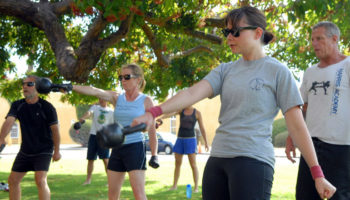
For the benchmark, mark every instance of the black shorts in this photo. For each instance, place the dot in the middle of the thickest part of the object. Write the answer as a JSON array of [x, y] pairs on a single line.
[[128, 157], [31, 162], [94, 149]]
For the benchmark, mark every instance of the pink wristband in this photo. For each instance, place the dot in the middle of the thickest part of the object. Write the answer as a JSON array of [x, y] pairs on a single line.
[[316, 172], [155, 111]]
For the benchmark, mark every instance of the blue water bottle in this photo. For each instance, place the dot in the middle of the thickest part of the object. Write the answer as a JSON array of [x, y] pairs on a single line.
[[189, 191]]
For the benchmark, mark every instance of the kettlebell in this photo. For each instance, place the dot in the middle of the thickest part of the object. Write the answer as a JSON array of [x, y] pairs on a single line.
[[113, 135], [45, 86], [77, 125]]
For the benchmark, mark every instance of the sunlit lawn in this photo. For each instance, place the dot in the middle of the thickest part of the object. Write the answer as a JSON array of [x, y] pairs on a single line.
[[66, 178]]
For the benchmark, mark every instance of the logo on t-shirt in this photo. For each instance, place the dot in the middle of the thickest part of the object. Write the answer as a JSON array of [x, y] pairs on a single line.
[[336, 94], [323, 84], [256, 84], [102, 117]]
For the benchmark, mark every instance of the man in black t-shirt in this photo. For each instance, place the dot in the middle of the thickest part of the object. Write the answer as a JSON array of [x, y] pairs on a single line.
[[40, 139]]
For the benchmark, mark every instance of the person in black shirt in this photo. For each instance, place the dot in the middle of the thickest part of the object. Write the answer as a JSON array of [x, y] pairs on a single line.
[[40, 139]]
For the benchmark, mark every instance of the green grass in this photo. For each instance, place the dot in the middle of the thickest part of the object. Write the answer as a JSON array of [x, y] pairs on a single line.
[[278, 126], [66, 177]]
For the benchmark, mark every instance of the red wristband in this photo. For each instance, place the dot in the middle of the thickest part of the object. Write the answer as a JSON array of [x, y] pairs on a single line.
[[155, 111], [316, 172]]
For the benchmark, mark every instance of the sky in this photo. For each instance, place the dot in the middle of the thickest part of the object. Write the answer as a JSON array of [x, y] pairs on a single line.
[[21, 65]]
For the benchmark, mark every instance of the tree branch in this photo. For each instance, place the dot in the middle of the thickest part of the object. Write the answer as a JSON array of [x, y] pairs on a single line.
[[215, 22], [62, 7], [242, 3], [54, 31], [161, 59], [22, 9], [197, 34], [117, 36], [191, 51], [94, 31], [160, 21], [91, 49], [201, 35], [40, 15]]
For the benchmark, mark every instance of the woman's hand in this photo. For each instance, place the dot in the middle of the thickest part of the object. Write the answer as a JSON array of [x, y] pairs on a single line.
[[147, 118], [290, 148], [324, 188], [206, 147], [159, 122]]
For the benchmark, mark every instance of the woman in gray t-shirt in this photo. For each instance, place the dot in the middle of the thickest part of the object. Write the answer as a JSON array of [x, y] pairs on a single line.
[[252, 90]]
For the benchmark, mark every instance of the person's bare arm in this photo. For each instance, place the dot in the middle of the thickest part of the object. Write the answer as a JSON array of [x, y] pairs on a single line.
[[168, 115], [300, 135], [6, 128], [290, 148], [181, 100], [56, 142], [85, 116], [107, 95], [202, 129], [187, 97], [153, 141]]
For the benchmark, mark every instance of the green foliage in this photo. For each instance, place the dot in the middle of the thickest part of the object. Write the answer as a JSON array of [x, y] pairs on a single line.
[[81, 110], [6, 66], [280, 139], [182, 72], [12, 89], [278, 127], [290, 21]]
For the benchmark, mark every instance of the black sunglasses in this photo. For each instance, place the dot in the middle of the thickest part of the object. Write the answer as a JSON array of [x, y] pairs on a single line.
[[126, 77], [236, 32], [29, 84]]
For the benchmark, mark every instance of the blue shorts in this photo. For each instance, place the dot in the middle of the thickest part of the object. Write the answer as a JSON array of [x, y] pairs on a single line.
[[185, 145], [128, 157], [25, 162], [94, 149]]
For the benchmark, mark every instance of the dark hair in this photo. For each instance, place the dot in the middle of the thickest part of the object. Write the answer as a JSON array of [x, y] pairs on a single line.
[[253, 17], [137, 71]]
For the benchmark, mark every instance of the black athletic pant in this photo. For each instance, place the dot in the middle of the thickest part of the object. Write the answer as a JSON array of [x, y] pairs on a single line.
[[239, 178], [335, 163]]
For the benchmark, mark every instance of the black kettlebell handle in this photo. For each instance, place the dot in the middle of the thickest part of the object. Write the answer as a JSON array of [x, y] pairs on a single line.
[[128, 130], [57, 87]]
